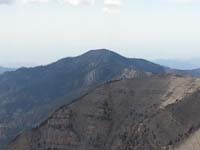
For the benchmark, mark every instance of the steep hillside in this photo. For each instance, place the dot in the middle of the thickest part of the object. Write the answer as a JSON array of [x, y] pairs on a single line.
[[149, 113], [28, 95]]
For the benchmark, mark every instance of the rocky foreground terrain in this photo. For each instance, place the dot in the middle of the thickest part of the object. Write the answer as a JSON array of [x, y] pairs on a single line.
[[156, 112]]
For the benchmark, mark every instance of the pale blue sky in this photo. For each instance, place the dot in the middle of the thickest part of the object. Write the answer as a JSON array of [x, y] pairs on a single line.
[[42, 31]]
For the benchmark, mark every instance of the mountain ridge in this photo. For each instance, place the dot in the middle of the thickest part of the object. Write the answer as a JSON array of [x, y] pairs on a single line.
[[119, 115], [28, 95]]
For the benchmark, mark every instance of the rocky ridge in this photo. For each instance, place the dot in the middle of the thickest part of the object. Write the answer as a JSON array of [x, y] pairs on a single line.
[[122, 115]]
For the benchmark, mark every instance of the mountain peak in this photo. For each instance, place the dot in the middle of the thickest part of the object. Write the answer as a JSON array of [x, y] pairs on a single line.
[[102, 55], [98, 52]]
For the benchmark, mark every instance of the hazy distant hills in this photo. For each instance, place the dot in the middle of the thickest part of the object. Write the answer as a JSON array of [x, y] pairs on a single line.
[[2, 69], [186, 68], [152, 113], [28, 95], [179, 64], [193, 72]]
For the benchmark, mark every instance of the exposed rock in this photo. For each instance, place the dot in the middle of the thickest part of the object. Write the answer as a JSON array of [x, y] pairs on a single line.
[[181, 88]]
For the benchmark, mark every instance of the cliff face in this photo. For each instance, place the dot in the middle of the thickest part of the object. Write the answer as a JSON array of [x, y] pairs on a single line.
[[136, 114]]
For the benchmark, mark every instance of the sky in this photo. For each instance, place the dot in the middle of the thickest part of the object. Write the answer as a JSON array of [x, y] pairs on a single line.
[[34, 32]]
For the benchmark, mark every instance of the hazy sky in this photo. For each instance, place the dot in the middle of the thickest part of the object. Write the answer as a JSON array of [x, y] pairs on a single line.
[[42, 31]]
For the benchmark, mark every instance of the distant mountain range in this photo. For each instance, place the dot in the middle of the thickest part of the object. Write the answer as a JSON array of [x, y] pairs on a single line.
[[2, 69], [179, 64], [185, 68], [29, 95]]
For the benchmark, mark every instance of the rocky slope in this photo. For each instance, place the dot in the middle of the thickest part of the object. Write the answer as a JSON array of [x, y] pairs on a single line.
[[28, 95], [149, 113]]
